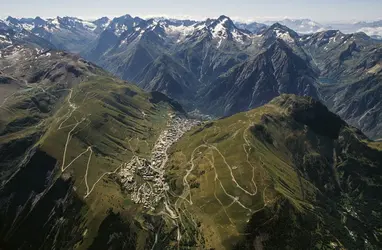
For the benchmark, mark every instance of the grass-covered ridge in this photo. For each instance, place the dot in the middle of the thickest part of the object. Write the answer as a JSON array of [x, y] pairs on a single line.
[[89, 131], [109, 117], [268, 175], [102, 125]]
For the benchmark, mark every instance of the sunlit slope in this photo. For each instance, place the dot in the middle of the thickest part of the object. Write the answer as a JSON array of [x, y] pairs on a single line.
[[102, 126], [92, 129], [103, 121], [288, 175]]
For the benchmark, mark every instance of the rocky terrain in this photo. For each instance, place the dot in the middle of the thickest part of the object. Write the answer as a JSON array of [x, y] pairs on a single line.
[[213, 66], [65, 33]]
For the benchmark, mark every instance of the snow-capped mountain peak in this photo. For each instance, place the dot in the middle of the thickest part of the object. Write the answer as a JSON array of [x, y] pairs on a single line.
[[219, 29], [179, 30], [163, 28], [223, 28], [328, 39], [72, 23], [50, 25], [280, 31], [121, 24]]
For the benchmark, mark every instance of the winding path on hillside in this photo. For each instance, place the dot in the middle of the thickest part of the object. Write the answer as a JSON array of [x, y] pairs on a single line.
[[72, 107]]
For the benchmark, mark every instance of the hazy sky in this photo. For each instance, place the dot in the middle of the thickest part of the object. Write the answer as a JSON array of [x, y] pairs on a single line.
[[318, 10]]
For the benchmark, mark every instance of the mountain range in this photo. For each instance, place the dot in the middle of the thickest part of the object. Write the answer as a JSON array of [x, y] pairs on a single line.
[[108, 136], [220, 69], [217, 66], [308, 26]]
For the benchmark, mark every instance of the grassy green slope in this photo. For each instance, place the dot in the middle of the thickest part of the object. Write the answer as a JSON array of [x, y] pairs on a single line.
[[92, 128], [284, 175], [117, 121]]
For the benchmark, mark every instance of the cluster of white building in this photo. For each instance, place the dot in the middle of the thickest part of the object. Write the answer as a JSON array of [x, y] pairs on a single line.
[[144, 178]]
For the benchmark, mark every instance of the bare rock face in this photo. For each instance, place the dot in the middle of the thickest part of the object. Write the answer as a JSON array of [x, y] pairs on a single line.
[[278, 70]]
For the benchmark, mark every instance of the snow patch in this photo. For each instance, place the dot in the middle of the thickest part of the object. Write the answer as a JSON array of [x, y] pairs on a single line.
[[181, 31], [120, 29], [88, 25], [219, 43], [27, 26], [103, 26], [5, 39], [219, 31], [284, 36], [239, 36], [55, 21]]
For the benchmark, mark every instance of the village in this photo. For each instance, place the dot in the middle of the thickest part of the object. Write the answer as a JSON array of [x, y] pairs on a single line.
[[144, 178]]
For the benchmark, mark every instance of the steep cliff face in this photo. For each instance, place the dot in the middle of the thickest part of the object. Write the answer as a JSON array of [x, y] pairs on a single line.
[[39, 211], [358, 103], [255, 82], [169, 77]]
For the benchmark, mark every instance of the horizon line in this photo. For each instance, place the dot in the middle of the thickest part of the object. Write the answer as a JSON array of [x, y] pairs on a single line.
[[258, 19]]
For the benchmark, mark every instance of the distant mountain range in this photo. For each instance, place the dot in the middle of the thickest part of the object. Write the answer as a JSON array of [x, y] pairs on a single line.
[[220, 67], [308, 26], [66, 33], [303, 26]]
